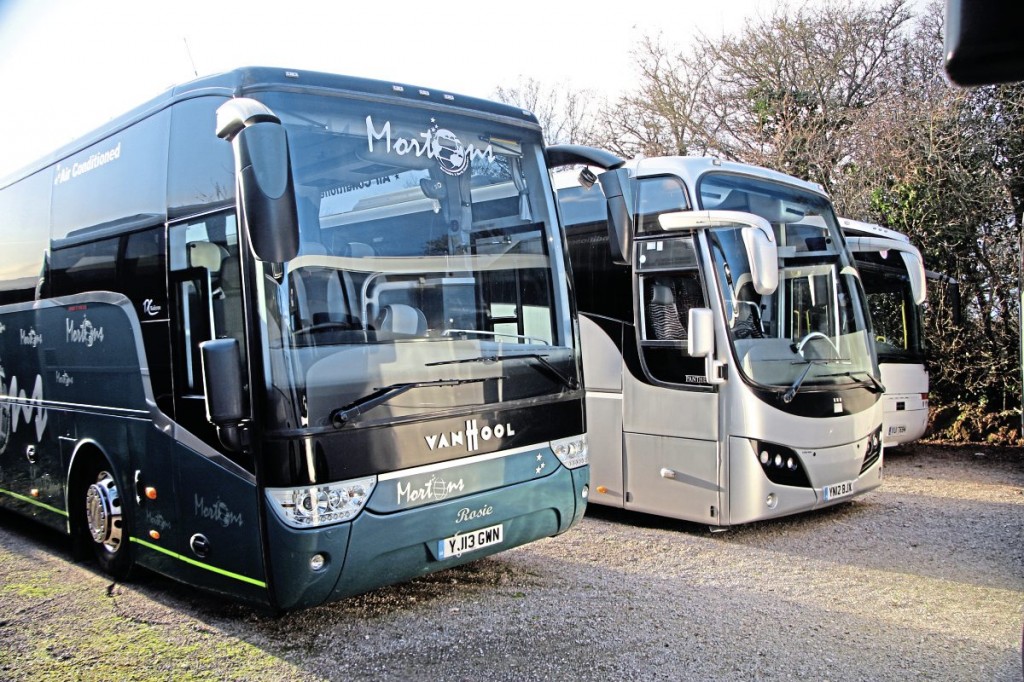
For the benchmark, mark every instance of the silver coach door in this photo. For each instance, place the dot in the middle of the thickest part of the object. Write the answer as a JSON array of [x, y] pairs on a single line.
[[670, 409]]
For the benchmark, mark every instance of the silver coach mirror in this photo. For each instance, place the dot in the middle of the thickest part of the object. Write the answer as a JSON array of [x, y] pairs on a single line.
[[700, 337], [758, 240], [764, 258], [911, 258], [700, 343]]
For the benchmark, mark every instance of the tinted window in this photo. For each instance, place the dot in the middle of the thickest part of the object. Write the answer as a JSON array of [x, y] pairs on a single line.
[[670, 286], [86, 267], [201, 166], [143, 276], [24, 233], [581, 205], [657, 196], [116, 183], [204, 276]]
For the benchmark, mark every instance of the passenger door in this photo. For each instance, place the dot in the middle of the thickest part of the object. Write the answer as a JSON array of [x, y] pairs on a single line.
[[204, 272], [670, 412]]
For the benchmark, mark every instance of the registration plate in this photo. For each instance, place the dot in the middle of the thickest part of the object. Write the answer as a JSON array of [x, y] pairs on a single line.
[[834, 492], [460, 543]]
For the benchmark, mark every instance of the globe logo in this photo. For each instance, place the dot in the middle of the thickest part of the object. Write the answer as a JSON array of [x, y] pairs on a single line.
[[448, 150], [439, 489]]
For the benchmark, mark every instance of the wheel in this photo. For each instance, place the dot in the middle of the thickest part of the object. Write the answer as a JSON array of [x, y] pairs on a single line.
[[105, 526]]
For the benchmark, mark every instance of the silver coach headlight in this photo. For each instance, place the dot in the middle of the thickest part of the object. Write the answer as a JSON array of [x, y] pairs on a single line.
[[320, 505], [572, 452]]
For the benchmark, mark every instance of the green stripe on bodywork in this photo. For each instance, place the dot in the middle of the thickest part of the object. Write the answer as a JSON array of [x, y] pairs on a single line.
[[193, 562], [26, 498]]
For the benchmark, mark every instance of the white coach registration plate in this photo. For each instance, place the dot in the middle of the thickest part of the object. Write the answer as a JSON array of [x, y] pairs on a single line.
[[460, 543], [834, 492]]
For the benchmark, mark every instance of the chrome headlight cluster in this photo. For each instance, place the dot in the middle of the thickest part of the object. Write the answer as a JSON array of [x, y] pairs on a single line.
[[319, 505], [572, 452]]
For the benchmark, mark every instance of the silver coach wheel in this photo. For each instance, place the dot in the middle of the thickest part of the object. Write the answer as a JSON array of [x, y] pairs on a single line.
[[103, 512]]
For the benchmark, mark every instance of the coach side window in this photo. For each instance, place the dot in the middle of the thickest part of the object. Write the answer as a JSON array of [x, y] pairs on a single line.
[[84, 267], [669, 287], [658, 195]]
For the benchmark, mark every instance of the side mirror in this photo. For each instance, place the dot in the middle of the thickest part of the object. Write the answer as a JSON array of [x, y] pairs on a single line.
[[764, 258], [576, 154], [700, 337], [911, 259], [915, 271], [700, 343], [266, 195], [982, 41], [953, 289], [615, 185], [758, 240], [223, 386]]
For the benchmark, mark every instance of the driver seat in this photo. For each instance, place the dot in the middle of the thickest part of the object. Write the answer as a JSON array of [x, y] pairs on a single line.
[[318, 294], [400, 320]]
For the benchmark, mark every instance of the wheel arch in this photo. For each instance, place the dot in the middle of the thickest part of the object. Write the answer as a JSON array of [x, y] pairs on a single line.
[[87, 452]]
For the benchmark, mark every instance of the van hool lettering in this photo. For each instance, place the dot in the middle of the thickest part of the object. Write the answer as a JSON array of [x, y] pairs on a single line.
[[470, 437]]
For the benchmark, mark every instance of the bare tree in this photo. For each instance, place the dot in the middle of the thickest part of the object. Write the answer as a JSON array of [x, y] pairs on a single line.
[[664, 115], [853, 96], [788, 88], [946, 166], [564, 112]]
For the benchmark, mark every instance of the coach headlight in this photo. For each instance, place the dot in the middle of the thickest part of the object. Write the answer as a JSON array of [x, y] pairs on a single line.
[[572, 452], [320, 505], [781, 465]]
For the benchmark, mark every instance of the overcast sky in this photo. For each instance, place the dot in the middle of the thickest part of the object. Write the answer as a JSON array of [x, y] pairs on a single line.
[[67, 66]]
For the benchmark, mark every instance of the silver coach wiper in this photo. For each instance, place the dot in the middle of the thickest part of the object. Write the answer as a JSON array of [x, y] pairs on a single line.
[[875, 383], [788, 396], [343, 415], [544, 366]]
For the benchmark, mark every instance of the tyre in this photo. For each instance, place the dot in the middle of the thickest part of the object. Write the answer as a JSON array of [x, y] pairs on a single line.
[[105, 526]]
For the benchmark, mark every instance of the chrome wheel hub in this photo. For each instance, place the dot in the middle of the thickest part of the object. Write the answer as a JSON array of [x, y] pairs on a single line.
[[103, 512]]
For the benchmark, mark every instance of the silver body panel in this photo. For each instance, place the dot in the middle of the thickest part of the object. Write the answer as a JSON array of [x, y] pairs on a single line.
[[688, 452]]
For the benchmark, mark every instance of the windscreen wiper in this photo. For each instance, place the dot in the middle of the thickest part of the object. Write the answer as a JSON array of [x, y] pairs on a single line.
[[788, 396], [791, 392], [876, 385], [343, 415], [543, 365]]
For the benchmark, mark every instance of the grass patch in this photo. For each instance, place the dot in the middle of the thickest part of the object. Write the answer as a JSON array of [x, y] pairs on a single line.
[[31, 591]]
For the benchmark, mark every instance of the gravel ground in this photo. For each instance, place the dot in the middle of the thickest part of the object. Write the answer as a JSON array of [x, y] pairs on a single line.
[[921, 579]]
